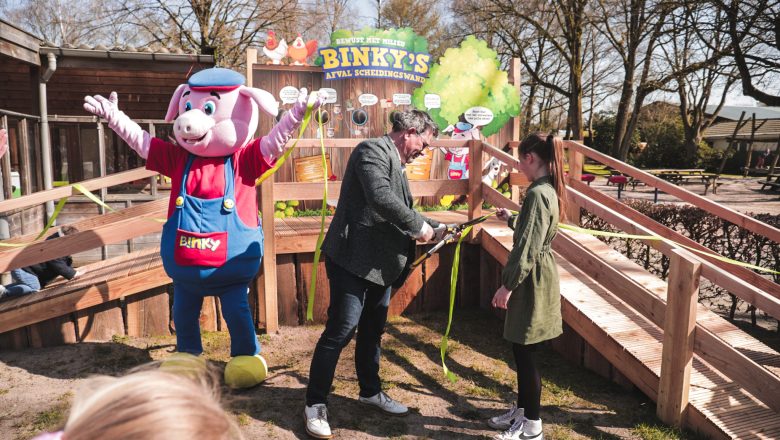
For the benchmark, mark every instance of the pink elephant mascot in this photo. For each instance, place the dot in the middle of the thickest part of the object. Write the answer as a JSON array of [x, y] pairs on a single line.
[[212, 242]]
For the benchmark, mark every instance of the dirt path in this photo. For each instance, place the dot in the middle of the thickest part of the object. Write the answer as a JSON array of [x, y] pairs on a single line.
[[37, 384]]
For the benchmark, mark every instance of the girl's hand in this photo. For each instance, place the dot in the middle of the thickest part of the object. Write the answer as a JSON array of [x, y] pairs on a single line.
[[501, 297], [503, 214]]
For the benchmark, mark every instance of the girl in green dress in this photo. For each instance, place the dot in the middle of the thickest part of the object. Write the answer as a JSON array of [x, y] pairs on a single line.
[[530, 291]]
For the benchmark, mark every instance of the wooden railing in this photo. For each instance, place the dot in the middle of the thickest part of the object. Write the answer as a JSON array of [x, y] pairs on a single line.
[[677, 315]]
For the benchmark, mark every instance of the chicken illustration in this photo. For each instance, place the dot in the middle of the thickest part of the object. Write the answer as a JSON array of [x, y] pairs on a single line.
[[274, 49], [300, 51]]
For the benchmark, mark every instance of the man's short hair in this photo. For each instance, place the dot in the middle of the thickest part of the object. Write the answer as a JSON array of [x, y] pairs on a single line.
[[417, 119]]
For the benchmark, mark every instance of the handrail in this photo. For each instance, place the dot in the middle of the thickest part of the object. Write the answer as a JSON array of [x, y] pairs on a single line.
[[19, 115], [68, 190], [351, 143], [313, 190], [704, 203]]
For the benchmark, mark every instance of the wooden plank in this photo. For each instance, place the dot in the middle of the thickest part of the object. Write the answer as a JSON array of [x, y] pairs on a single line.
[[267, 279], [722, 277], [208, 315], [655, 227], [475, 185], [53, 332], [287, 290], [67, 191], [82, 299], [409, 297], [284, 191], [496, 199], [111, 228], [321, 291], [679, 325], [704, 203], [148, 313], [15, 339], [100, 323], [518, 179], [508, 160]]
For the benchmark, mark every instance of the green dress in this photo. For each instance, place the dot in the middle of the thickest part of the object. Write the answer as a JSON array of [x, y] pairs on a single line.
[[534, 308]]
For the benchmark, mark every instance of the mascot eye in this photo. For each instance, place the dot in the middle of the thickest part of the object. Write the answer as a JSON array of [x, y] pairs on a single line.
[[209, 108], [188, 106]]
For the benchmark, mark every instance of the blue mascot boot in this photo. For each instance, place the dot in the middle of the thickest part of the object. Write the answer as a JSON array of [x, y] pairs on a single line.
[[245, 371]]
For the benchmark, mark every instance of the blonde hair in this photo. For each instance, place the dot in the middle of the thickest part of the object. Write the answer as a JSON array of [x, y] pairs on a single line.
[[150, 405]]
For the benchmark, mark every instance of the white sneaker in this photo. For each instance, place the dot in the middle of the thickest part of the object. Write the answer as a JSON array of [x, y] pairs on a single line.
[[523, 429], [383, 402], [316, 418], [506, 420]]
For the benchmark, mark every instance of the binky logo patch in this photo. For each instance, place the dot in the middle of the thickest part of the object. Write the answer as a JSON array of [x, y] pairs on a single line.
[[199, 243], [200, 249]]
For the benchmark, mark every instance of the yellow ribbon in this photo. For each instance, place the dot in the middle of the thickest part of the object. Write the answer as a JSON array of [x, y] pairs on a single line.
[[453, 285], [317, 249], [668, 241], [304, 123]]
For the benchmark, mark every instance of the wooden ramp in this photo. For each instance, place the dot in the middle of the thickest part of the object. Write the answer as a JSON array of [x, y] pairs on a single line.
[[719, 406]]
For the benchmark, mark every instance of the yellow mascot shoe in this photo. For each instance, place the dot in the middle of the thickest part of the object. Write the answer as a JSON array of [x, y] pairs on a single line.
[[185, 364], [245, 371]]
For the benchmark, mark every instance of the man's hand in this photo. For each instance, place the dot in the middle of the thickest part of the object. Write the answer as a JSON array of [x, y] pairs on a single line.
[[79, 272], [501, 297], [426, 234], [107, 109], [503, 214]]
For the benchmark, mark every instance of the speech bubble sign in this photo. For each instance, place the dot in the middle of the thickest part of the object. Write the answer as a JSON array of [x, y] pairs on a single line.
[[402, 99], [432, 100], [288, 94], [368, 99], [332, 95], [479, 116]]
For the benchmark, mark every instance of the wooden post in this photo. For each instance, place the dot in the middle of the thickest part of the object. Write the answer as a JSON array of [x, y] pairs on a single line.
[[5, 166], [25, 177], [774, 161], [576, 160], [733, 139], [475, 184], [515, 79], [251, 59], [679, 326], [267, 280]]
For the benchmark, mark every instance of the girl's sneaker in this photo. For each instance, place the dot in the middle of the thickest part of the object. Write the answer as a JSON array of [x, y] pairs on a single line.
[[523, 429], [506, 420]]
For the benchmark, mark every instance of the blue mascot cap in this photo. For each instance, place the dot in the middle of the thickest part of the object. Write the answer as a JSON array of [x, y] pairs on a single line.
[[217, 78]]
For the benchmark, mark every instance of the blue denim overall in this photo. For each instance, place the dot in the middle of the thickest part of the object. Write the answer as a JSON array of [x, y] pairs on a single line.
[[207, 250]]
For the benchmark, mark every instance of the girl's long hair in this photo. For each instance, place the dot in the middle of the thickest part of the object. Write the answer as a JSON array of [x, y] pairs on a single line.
[[549, 148]]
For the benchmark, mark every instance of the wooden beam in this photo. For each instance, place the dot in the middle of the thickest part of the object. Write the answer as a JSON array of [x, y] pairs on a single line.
[[67, 191], [475, 184], [518, 179], [497, 199], [81, 299], [112, 228], [576, 162], [680, 322], [267, 279], [704, 203], [313, 190], [750, 278], [251, 60], [510, 161]]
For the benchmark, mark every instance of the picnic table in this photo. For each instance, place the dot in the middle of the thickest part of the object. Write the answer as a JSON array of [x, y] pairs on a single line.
[[772, 181], [680, 176]]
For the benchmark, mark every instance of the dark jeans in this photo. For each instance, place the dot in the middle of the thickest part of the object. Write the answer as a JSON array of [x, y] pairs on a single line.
[[355, 304]]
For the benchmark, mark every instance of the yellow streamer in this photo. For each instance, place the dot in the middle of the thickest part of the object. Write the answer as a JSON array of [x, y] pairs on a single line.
[[304, 123], [313, 282]]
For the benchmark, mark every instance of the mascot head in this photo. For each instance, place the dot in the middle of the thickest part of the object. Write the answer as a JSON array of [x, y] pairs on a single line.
[[214, 114]]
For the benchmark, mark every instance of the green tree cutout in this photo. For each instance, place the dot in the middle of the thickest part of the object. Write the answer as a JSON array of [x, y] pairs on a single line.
[[469, 76]]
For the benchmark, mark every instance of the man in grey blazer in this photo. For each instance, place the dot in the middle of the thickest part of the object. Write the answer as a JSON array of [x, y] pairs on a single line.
[[368, 249]]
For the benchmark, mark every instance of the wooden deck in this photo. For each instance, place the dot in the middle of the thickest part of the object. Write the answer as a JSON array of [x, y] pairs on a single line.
[[719, 406]]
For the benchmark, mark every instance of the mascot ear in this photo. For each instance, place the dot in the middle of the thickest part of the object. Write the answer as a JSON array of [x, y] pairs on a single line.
[[173, 106], [264, 100]]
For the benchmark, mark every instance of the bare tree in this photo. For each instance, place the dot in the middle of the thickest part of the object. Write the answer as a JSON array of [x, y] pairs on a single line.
[[699, 36], [754, 29], [425, 17], [223, 28]]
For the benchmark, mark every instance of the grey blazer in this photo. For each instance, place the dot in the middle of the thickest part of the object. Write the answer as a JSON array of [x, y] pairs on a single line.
[[371, 234]]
